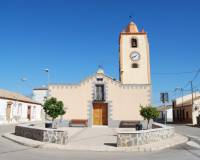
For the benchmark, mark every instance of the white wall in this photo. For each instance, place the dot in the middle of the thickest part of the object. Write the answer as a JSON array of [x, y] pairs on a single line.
[[169, 115], [195, 111], [3, 105], [39, 95], [19, 111], [186, 98]]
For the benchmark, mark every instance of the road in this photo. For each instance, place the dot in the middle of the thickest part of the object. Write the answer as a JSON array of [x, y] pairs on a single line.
[[12, 151]]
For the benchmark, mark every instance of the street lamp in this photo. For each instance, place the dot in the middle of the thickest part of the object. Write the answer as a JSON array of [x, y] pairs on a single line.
[[48, 76], [47, 94]]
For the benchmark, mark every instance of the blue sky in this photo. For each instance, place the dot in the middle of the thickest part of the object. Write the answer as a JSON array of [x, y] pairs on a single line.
[[72, 38]]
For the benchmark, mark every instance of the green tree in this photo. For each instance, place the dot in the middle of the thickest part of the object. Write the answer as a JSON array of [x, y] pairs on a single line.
[[53, 108], [148, 113]]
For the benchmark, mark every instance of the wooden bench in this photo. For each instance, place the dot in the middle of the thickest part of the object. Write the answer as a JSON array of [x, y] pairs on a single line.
[[128, 124], [78, 123]]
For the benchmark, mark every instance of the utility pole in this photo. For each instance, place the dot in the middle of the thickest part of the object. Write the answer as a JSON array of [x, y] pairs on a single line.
[[181, 90], [192, 92]]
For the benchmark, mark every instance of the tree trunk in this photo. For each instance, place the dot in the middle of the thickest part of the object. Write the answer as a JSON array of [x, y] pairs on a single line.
[[148, 123], [53, 126]]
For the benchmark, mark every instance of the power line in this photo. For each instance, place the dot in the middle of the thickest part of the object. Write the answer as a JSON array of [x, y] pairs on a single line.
[[174, 92], [174, 73], [196, 75]]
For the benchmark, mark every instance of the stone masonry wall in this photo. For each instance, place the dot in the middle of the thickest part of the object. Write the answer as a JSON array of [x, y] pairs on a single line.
[[42, 134], [136, 138]]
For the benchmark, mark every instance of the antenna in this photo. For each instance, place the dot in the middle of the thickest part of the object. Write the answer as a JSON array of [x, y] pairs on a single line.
[[100, 66], [131, 17]]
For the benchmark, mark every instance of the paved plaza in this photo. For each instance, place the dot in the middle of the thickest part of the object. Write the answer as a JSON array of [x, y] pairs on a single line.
[[10, 150]]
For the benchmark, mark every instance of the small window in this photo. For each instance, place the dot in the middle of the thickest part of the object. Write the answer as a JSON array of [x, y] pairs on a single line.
[[134, 43], [99, 79], [135, 65]]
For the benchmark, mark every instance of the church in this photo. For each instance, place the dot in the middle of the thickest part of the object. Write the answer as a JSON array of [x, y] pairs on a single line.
[[104, 101]]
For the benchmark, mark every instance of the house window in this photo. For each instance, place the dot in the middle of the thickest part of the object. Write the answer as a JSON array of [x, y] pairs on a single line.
[[135, 65], [19, 109], [183, 113], [187, 115], [134, 43], [99, 96], [177, 114]]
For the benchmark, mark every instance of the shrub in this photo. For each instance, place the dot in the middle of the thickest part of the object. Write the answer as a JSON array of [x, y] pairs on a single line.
[[148, 113], [53, 108]]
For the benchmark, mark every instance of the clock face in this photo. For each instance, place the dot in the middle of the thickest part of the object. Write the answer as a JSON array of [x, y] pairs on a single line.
[[135, 56]]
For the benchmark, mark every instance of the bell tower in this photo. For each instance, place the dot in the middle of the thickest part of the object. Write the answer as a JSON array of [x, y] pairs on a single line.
[[134, 62]]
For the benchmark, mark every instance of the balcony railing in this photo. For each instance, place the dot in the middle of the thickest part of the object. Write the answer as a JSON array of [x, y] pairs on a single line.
[[98, 98]]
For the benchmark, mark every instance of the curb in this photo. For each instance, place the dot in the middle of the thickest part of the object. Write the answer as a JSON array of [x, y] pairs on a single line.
[[145, 148], [23, 141]]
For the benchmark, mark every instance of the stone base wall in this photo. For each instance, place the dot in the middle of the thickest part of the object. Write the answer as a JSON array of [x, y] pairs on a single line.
[[42, 134], [137, 138]]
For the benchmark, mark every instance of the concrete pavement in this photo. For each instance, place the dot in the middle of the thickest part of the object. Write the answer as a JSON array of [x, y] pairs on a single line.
[[193, 133], [98, 139], [12, 151]]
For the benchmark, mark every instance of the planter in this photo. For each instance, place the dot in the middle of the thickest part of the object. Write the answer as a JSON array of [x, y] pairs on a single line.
[[48, 125]]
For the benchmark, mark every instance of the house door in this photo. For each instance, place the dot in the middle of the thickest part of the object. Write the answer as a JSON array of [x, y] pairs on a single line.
[[29, 113], [8, 111], [100, 114]]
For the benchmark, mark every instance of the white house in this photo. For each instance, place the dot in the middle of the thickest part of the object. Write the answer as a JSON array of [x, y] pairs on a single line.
[[40, 94], [168, 111], [16, 108]]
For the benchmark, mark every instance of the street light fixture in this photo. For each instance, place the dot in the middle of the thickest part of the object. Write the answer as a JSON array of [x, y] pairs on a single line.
[[46, 70], [48, 76]]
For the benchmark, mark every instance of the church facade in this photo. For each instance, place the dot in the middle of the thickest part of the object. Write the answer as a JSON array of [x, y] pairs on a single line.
[[102, 100]]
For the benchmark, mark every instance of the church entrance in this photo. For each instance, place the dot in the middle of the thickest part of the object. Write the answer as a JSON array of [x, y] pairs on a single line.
[[100, 114]]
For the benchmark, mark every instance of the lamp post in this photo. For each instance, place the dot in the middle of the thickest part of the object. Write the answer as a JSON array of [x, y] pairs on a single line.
[[192, 92], [48, 76], [47, 85]]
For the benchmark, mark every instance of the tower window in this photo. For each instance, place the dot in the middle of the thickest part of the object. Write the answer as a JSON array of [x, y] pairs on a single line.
[[135, 65], [134, 42]]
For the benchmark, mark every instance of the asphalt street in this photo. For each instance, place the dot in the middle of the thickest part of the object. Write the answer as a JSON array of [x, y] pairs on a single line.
[[13, 151]]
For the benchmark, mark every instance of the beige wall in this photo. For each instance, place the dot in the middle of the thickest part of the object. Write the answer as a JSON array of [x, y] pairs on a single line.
[[187, 97], [123, 100], [193, 112]]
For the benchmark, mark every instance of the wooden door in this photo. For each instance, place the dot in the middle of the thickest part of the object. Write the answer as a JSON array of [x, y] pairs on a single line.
[[29, 113], [100, 114], [8, 111]]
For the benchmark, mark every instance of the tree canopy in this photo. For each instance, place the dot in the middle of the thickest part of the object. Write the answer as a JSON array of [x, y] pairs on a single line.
[[53, 108], [149, 112]]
